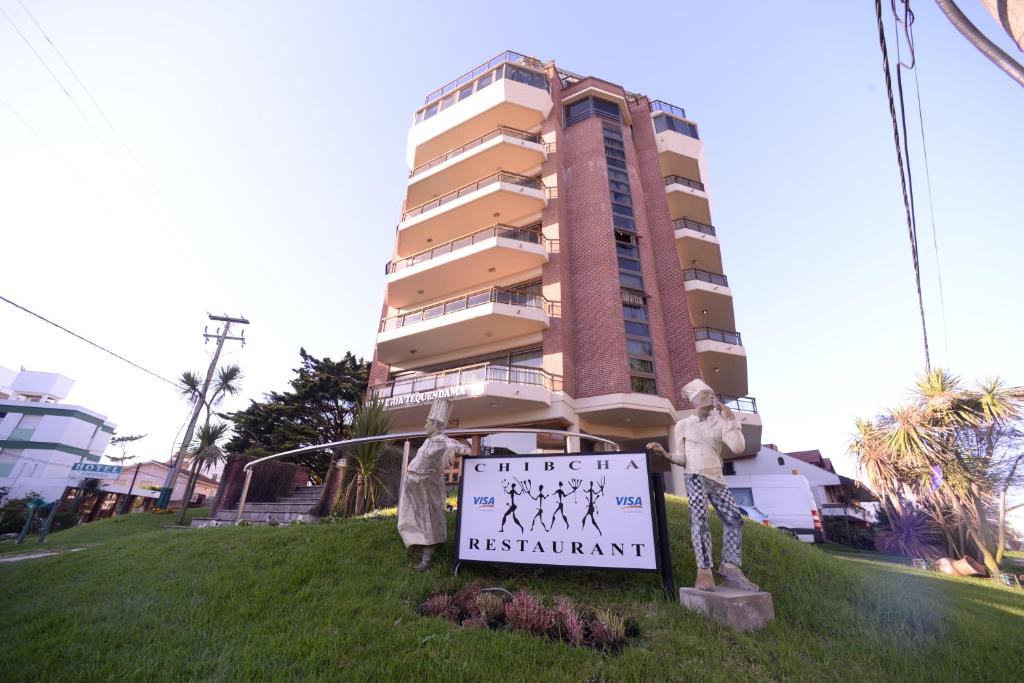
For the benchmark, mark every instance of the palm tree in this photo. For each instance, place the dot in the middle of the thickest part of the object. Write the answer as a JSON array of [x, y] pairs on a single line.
[[206, 454], [364, 464], [227, 382], [929, 449]]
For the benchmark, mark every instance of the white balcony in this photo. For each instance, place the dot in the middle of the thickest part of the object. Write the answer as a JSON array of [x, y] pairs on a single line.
[[485, 317], [687, 198], [745, 409], [722, 360], [500, 149], [502, 197], [698, 246], [482, 390], [709, 299], [510, 90], [494, 253]]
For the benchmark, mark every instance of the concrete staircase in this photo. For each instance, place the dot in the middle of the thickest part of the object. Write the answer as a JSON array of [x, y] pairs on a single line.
[[300, 505]]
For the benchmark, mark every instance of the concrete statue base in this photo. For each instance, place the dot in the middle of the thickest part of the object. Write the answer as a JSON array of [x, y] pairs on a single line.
[[741, 610]]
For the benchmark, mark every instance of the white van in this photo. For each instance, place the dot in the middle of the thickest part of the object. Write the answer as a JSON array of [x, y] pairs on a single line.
[[785, 498]]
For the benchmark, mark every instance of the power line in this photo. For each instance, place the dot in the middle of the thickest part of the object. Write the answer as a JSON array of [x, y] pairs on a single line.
[[106, 119], [57, 156], [85, 118], [911, 231], [90, 342]]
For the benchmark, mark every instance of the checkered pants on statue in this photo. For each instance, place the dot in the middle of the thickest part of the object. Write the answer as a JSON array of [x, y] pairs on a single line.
[[698, 450]]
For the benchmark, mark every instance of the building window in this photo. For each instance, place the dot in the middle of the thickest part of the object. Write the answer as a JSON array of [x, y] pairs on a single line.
[[591, 106], [728, 469], [781, 461], [643, 385], [639, 347], [663, 123]]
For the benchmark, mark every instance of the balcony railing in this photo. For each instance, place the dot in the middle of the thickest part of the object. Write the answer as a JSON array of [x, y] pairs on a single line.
[[532, 235], [470, 374], [501, 130], [506, 65], [744, 404], [494, 295], [680, 180], [686, 223], [500, 177], [713, 334], [705, 276], [659, 105]]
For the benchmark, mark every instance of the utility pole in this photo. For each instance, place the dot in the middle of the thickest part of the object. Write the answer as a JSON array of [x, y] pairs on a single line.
[[221, 336], [128, 496]]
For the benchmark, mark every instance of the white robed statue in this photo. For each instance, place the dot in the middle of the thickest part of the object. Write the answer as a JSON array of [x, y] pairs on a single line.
[[421, 507]]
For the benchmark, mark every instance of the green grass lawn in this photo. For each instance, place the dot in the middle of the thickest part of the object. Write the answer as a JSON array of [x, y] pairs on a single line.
[[98, 532], [336, 602]]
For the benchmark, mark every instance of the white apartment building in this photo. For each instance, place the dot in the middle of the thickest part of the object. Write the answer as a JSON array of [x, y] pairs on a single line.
[[40, 437]]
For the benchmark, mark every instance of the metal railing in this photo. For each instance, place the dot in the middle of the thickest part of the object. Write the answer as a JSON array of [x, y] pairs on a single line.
[[493, 295], [714, 334], [524, 69], [532, 235], [661, 105], [451, 154], [744, 404], [680, 180], [687, 223], [407, 437], [705, 276], [499, 177], [466, 375]]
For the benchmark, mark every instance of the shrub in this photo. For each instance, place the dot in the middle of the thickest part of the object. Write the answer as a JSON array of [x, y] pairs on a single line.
[[526, 613], [607, 632], [465, 600], [490, 609], [440, 605]]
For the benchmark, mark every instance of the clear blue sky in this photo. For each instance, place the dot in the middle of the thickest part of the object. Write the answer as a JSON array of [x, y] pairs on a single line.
[[276, 135]]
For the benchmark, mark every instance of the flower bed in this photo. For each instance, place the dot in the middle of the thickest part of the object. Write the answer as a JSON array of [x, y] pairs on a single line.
[[473, 606]]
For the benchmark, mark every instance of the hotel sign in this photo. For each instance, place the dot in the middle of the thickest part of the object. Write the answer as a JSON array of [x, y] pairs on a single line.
[[574, 510], [425, 397], [91, 470]]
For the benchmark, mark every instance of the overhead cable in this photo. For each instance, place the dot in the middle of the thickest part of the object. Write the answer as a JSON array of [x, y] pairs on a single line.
[[903, 178], [88, 341]]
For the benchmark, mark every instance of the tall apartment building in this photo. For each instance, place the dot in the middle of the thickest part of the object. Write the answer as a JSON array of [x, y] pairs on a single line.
[[41, 438], [556, 263]]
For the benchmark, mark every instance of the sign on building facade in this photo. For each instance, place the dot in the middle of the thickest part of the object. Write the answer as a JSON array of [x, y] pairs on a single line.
[[91, 470], [574, 510]]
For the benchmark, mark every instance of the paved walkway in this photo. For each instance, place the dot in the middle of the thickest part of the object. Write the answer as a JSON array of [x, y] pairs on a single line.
[[32, 556]]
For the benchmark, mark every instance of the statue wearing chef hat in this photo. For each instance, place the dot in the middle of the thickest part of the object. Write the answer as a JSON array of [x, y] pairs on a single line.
[[698, 450], [421, 507]]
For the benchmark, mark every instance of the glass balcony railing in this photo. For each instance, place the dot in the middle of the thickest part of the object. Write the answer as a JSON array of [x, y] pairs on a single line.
[[659, 105], [705, 276], [694, 225], [680, 180], [510, 65], [500, 177], [494, 295], [470, 374], [498, 132], [713, 334], [744, 404], [529, 234]]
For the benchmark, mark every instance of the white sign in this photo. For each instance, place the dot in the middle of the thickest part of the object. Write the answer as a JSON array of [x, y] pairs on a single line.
[[425, 396], [573, 510], [91, 470]]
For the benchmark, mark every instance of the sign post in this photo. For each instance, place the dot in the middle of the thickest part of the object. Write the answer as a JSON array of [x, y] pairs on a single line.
[[601, 510]]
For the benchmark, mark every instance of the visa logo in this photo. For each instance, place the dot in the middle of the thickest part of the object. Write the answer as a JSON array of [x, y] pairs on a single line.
[[483, 500], [629, 501]]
